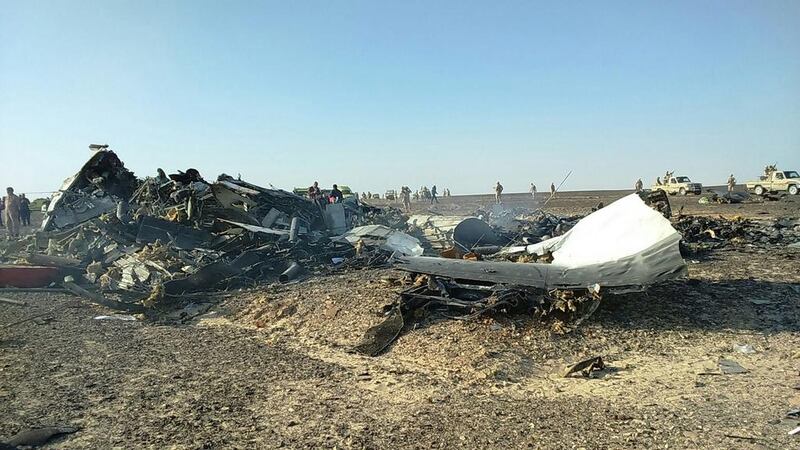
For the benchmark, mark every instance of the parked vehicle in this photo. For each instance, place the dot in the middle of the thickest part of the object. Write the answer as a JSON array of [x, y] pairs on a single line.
[[679, 185], [775, 182]]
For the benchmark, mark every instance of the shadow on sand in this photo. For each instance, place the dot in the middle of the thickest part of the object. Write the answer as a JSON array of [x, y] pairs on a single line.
[[743, 305]]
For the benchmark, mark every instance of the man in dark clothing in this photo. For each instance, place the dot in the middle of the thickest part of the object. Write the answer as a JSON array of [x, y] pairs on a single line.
[[24, 210], [433, 195], [336, 195]]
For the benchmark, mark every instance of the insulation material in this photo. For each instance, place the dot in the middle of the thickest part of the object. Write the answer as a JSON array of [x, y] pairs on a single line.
[[385, 238]]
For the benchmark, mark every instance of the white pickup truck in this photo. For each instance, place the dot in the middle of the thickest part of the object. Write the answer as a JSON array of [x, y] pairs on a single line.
[[777, 181], [678, 185]]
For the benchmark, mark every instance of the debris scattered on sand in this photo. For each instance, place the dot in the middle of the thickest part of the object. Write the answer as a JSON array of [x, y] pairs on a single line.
[[701, 234], [585, 367], [148, 242], [11, 301], [121, 317], [148, 245], [38, 436], [731, 367], [744, 348], [624, 247]]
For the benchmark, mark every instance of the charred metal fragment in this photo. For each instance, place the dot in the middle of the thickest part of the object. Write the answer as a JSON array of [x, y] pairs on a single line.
[[290, 273], [379, 337], [586, 367], [443, 232], [152, 229], [99, 299], [94, 190], [206, 278]]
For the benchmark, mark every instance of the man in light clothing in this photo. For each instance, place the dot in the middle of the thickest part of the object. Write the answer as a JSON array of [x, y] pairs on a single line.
[[12, 213]]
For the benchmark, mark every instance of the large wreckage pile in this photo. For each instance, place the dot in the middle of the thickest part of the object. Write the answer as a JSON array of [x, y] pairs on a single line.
[[555, 268], [158, 242], [541, 266], [165, 237]]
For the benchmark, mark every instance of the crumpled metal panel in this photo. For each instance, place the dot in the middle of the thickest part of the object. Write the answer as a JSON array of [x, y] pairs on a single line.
[[386, 238], [80, 199], [626, 245], [152, 229], [266, 199], [257, 229], [443, 232]]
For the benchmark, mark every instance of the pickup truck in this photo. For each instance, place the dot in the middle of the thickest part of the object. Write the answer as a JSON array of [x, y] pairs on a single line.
[[678, 185], [775, 182]]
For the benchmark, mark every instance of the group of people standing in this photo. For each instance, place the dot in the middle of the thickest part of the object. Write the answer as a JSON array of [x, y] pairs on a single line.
[[316, 195], [533, 190], [432, 195], [15, 212], [498, 191]]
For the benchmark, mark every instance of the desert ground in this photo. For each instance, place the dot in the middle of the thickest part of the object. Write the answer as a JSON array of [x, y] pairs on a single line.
[[273, 368]]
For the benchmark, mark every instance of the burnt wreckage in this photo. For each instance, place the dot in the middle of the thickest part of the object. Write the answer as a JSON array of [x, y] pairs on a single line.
[[93, 191], [622, 248], [167, 236], [158, 243]]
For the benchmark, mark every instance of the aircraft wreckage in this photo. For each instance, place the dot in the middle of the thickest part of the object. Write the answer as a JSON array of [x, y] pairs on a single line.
[[153, 242], [624, 247]]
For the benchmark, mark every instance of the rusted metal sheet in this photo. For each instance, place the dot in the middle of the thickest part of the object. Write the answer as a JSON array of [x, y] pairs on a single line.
[[28, 276]]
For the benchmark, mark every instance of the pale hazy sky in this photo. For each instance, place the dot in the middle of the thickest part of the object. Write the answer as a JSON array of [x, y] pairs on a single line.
[[376, 94]]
